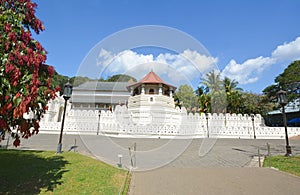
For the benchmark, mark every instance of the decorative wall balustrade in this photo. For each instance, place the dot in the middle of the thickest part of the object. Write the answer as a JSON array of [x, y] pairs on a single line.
[[176, 123]]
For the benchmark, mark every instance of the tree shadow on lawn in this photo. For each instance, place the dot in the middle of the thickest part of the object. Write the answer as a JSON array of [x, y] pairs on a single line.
[[27, 172]]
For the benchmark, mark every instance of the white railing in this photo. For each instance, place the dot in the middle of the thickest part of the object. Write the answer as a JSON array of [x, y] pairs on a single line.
[[175, 123]]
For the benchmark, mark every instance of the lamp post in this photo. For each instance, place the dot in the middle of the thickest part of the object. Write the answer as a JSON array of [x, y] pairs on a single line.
[[98, 129], [206, 116], [252, 118], [67, 94], [281, 95]]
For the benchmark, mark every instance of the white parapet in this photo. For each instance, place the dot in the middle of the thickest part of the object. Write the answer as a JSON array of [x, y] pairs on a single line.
[[164, 122]]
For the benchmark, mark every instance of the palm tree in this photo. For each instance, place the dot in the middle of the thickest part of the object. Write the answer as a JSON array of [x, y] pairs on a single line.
[[212, 82], [203, 100], [233, 95], [213, 86], [231, 85]]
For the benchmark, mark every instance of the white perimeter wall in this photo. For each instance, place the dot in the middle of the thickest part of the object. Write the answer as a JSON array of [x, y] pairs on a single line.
[[176, 123]]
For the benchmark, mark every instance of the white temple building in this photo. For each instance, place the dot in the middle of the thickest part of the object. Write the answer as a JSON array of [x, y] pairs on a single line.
[[95, 95], [146, 109], [150, 98]]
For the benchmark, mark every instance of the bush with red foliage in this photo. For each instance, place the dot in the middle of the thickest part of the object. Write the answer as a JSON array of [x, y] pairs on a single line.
[[25, 79]]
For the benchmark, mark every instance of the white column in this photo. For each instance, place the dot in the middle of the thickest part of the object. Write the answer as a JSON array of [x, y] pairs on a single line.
[[131, 91], [171, 94], [160, 89], [143, 89]]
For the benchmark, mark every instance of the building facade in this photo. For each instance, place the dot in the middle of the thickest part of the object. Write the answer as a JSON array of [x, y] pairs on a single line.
[[147, 108], [99, 95], [292, 110]]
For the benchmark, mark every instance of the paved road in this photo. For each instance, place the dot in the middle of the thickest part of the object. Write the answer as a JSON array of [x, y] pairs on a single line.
[[175, 166], [155, 153], [214, 180]]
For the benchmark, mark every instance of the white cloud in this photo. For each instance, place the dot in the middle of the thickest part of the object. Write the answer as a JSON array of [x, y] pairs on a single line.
[[105, 57], [288, 51], [119, 63], [202, 62], [188, 64], [250, 70]]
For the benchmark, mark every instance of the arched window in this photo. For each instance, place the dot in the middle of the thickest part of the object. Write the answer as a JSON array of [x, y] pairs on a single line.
[[136, 92], [151, 91]]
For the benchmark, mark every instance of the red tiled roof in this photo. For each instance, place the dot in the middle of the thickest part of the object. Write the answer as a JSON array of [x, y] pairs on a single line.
[[151, 77]]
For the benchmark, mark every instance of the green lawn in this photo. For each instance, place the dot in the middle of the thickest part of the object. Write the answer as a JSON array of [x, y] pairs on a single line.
[[287, 164], [44, 172]]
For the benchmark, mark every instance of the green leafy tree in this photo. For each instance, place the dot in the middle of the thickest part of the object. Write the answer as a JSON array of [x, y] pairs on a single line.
[[186, 96], [271, 91], [289, 80], [254, 104], [234, 102], [59, 80], [78, 80], [121, 78], [25, 79], [290, 77]]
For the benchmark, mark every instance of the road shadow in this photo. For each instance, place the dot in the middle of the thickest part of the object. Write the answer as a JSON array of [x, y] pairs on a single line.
[[27, 172]]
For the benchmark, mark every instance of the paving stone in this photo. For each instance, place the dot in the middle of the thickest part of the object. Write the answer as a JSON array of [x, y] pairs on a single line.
[[230, 166]]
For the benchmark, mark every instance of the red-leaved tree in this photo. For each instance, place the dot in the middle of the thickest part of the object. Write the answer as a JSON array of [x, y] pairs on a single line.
[[25, 79]]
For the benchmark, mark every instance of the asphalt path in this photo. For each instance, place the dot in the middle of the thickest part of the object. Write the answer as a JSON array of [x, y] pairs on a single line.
[[183, 166]]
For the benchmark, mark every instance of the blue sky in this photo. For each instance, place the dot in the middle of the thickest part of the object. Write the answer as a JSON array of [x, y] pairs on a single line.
[[250, 41]]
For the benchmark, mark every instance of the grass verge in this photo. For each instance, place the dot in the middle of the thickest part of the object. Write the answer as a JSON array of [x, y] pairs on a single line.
[[283, 163], [125, 190], [44, 172]]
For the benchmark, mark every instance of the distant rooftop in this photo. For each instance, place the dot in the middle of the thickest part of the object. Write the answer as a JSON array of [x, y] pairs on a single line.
[[102, 86], [101, 92], [293, 106]]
